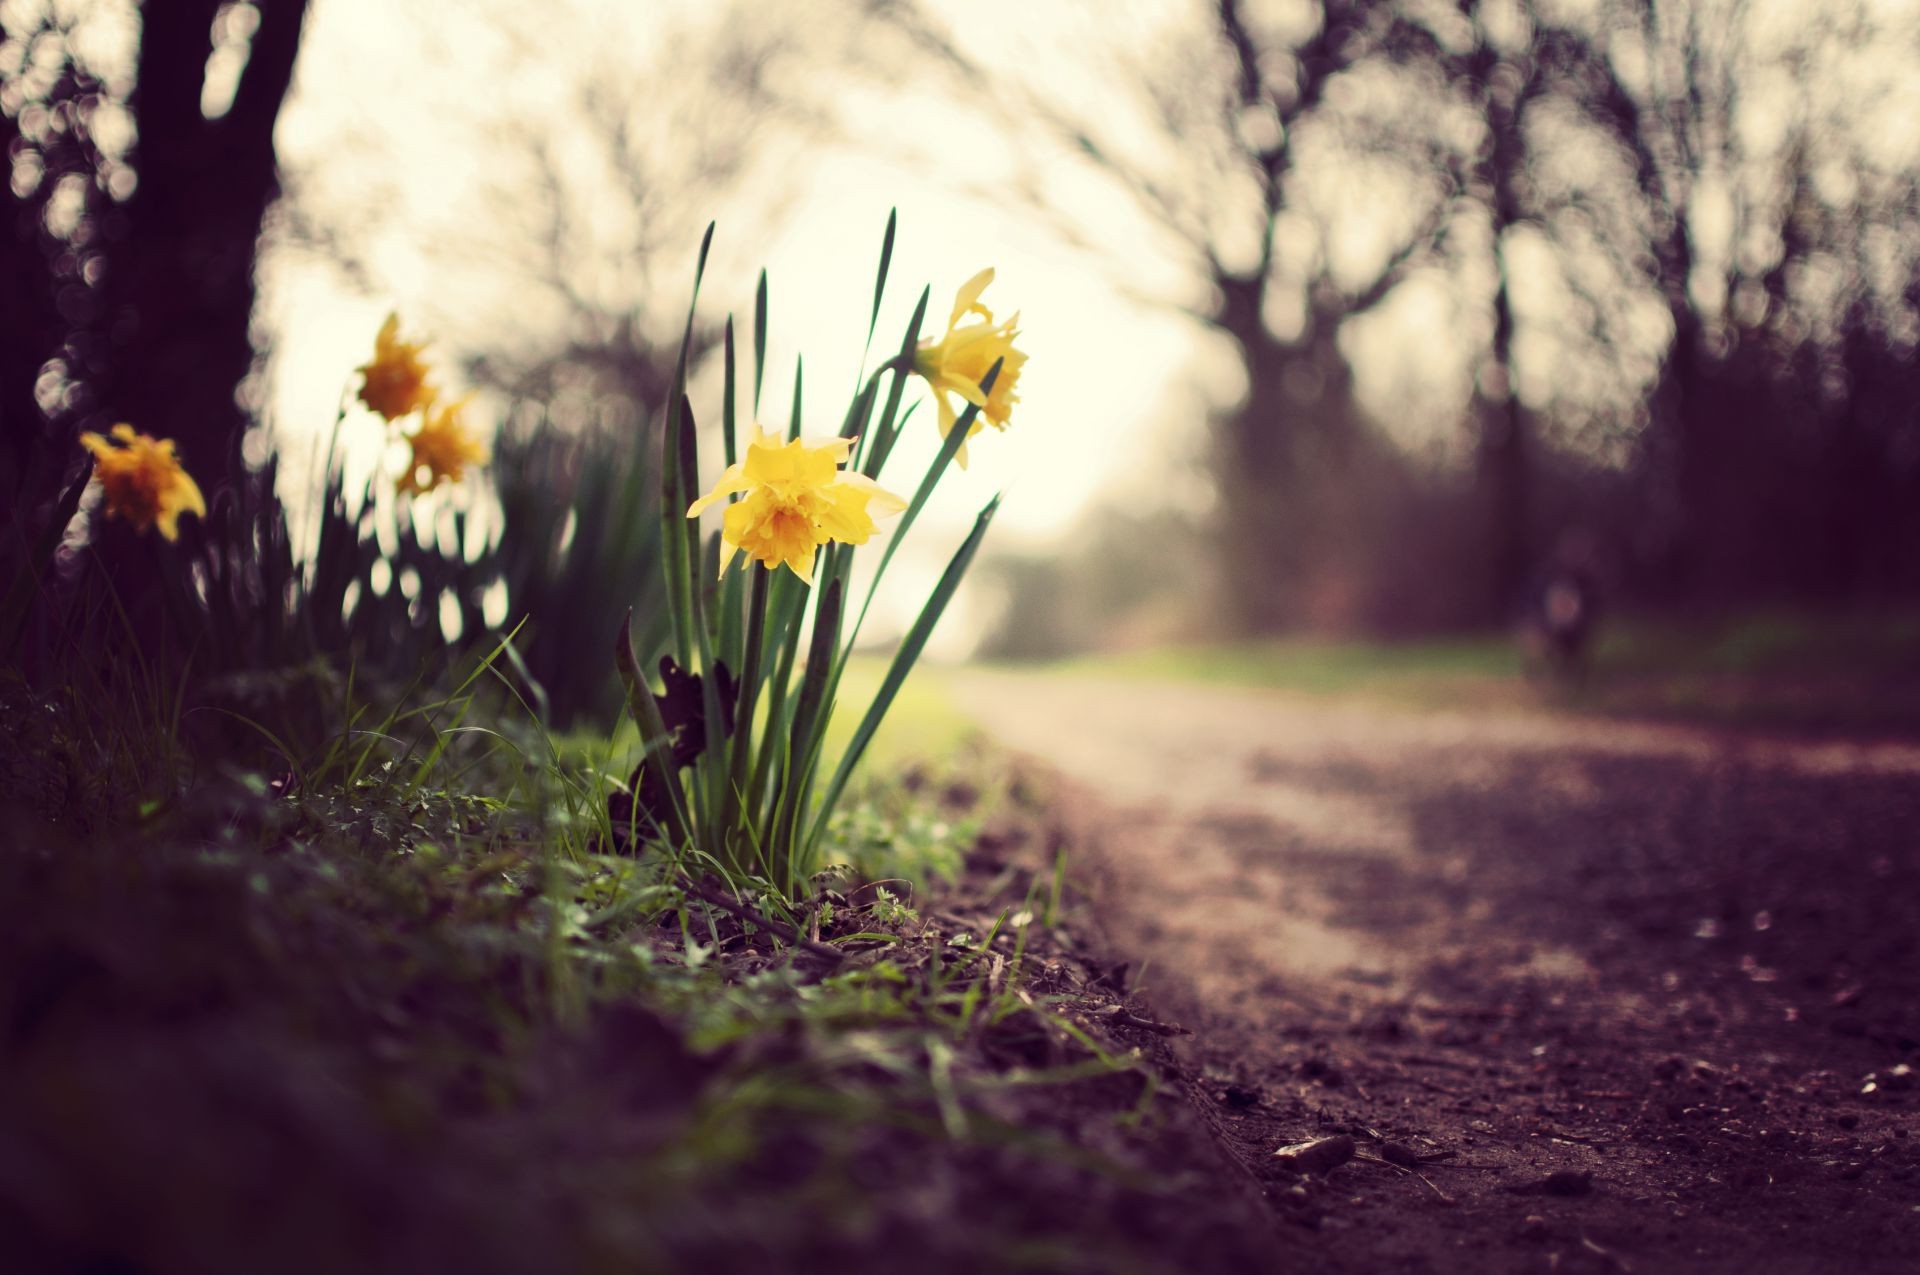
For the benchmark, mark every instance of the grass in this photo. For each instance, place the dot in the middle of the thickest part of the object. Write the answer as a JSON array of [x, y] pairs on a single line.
[[398, 1007], [1791, 670], [1419, 670]]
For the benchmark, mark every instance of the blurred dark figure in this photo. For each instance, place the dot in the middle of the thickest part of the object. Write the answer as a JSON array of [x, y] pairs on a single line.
[[1563, 611]]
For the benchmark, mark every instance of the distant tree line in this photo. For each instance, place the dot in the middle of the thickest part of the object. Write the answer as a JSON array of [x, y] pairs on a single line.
[[1681, 245]]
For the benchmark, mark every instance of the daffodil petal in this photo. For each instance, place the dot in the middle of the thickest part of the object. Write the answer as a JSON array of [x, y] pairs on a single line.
[[883, 503], [968, 298], [732, 480]]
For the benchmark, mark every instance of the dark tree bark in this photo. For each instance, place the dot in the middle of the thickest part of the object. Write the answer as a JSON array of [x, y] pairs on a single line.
[[1503, 84], [185, 265], [129, 277]]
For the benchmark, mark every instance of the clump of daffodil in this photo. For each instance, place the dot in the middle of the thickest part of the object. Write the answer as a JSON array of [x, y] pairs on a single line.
[[741, 769], [143, 480], [394, 384], [797, 498], [960, 360], [441, 449]]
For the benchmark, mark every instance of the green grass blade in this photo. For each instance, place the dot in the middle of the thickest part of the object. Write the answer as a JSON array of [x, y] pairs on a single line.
[[955, 440], [888, 429], [27, 584], [759, 340], [729, 434], [793, 428], [749, 679], [903, 662], [859, 412], [805, 740], [880, 280], [675, 488]]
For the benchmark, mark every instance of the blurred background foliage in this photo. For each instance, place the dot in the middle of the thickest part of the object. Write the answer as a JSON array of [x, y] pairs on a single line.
[[1415, 301]]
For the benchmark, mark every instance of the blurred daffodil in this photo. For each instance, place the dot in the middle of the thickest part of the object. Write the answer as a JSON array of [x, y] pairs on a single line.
[[394, 384], [959, 361], [797, 498], [442, 448], [143, 480]]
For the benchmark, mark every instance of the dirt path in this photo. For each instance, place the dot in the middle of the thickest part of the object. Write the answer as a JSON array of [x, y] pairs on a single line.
[[1653, 988]]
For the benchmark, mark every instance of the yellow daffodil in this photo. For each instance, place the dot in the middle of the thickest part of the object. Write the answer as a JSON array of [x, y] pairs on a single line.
[[395, 383], [442, 448], [143, 480], [959, 361], [797, 498]]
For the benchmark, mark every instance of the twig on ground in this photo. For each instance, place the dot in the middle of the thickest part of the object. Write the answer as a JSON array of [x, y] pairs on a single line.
[[755, 917], [1130, 1019], [1442, 1196]]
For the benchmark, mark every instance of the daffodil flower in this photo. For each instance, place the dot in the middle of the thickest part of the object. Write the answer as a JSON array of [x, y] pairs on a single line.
[[442, 448], [959, 361], [796, 498], [394, 384], [143, 480]]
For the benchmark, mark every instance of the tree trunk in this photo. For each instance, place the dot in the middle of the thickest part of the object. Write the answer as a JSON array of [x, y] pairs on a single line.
[[1504, 454], [185, 268], [181, 273], [1283, 460]]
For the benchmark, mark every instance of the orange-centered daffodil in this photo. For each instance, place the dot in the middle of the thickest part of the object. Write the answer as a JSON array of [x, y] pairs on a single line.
[[797, 498], [959, 361], [442, 448], [143, 480], [395, 383]]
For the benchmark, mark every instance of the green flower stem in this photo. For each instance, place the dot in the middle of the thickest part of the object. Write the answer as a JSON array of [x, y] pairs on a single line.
[[749, 679]]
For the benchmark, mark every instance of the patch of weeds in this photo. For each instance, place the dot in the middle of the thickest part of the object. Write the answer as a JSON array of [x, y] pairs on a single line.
[[398, 1010], [918, 828]]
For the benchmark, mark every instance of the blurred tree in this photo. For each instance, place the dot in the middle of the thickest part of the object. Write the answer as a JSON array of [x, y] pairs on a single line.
[[133, 210], [1782, 243], [211, 79], [140, 164], [1264, 125], [1491, 61]]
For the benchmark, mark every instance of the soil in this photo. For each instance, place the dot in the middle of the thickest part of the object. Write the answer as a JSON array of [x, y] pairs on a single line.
[[1605, 996]]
